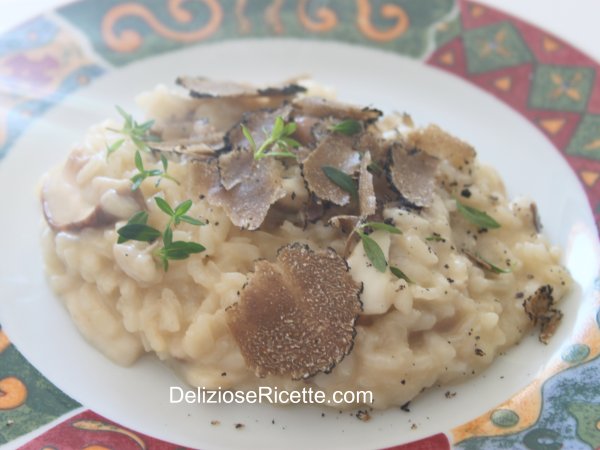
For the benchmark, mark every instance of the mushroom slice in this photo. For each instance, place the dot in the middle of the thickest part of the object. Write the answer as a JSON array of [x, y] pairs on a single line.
[[322, 108], [201, 87], [296, 317], [67, 206], [335, 152], [413, 173], [436, 142], [366, 192], [539, 308]]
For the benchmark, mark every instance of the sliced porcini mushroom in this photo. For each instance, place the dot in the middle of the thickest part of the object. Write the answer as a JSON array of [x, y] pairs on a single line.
[[412, 172], [247, 203], [201, 87], [323, 108], [367, 201], [436, 142], [334, 152], [296, 317], [539, 307], [68, 206]]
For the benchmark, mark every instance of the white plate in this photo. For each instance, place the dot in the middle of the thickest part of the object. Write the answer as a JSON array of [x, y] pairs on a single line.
[[138, 397]]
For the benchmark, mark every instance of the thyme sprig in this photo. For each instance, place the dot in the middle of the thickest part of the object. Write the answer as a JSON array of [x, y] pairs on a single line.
[[370, 246], [137, 229], [342, 180], [143, 173], [348, 127], [477, 217], [137, 133], [277, 143]]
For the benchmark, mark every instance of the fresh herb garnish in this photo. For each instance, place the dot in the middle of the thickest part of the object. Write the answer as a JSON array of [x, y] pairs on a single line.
[[110, 149], [178, 214], [373, 251], [479, 218], [484, 263], [370, 246], [399, 274], [435, 238], [138, 133], [375, 168], [381, 226], [279, 139], [347, 127], [142, 174], [177, 250], [137, 230], [139, 218], [341, 179]]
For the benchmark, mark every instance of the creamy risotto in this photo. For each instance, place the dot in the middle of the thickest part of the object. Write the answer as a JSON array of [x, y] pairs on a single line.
[[271, 236]]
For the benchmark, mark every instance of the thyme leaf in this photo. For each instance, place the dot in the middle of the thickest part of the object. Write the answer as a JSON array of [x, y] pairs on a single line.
[[138, 133], [399, 274], [341, 179], [348, 127], [475, 216], [373, 252], [143, 173]]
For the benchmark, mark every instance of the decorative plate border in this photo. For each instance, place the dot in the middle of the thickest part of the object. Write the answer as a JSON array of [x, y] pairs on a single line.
[[549, 82]]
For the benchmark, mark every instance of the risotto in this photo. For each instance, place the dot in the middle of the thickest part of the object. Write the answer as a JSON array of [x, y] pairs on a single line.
[[271, 236]]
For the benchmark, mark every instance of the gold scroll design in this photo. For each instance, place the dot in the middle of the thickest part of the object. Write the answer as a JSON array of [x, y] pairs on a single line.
[[130, 40], [327, 18], [387, 11], [273, 16]]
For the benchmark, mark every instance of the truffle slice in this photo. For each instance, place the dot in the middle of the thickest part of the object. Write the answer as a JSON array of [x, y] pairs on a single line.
[[436, 142], [413, 173], [335, 152], [201, 87], [186, 149], [539, 308], [323, 108], [366, 192], [247, 203], [259, 124], [235, 166], [296, 317], [239, 163], [304, 130]]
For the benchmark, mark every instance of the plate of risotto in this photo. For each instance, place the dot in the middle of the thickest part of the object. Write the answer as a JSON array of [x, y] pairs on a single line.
[[218, 241]]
